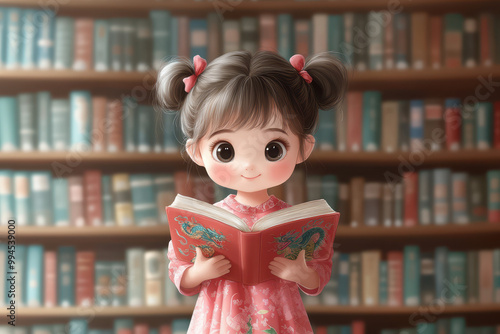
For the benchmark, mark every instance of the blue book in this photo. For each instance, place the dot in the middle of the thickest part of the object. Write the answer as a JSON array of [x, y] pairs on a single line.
[[330, 190], [441, 179], [7, 209], [161, 26], [411, 276], [9, 124], [416, 124], [145, 122], [198, 30], [45, 39], [383, 283], [180, 325], [440, 270], [27, 121], [64, 47], [78, 326], [34, 276], [336, 36], [3, 13], [81, 120], [66, 257], [28, 29], [496, 275], [23, 274], [122, 323], [457, 325], [41, 195], [108, 210], [171, 140], [60, 200], [12, 37], [143, 199], [425, 198], [484, 125], [344, 279], [286, 38], [22, 198], [372, 115], [457, 276], [326, 135], [43, 117], [60, 119]]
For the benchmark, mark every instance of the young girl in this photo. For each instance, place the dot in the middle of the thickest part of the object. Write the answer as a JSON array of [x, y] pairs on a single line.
[[249, 119]]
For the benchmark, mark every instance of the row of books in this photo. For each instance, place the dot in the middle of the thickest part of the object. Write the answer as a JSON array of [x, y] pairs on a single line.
[[85, 122], [455, 325], [95, 199], [412, 277], [365, 122]]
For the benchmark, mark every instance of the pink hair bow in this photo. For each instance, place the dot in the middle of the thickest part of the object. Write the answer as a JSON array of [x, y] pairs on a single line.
[[298, 62], [199, 67]]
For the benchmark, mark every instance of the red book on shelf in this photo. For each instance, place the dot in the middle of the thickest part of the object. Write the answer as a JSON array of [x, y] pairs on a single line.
[[93, 200], [436, 41], [277, 233], [76, 200], [99, 123], [358, 327], [50, 279], [485, 276], [84, 284], [486, 40], [395, 278], [410, 180], [84, 44], [354, 121], [496, 125], [141, 328], [453, 129], [115, 128], [165, 329], [267, 29], [321, 330]]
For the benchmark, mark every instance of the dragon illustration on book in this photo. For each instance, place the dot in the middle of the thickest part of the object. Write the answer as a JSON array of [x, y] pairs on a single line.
[[293, 242], [195, 230]]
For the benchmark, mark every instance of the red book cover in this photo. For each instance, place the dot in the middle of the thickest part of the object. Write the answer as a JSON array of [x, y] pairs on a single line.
[[50, 279], [354, 124], [395, 278], [115, 130], [436, 41], [496, 125], [358, 327], [99, 123], [267, 29], [453, 129], [486, 39], [93, 201], [283, 233], [321, 330], [141, 328], [410, 180], [84, 284], [84, 44], [165, 329]]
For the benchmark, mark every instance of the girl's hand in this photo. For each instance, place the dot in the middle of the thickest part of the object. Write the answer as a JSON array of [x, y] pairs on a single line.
[[295, 270], [204, 269]]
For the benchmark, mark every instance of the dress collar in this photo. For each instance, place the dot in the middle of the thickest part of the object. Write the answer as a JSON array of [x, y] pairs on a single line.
[[262, 207]]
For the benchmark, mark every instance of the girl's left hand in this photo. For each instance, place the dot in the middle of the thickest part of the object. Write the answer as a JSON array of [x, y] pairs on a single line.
[[295, 270]]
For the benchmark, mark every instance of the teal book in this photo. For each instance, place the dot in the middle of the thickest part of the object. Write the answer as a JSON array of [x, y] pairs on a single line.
[[174, 37], [457, 325], [330, 294], [22, 198], [101, 45], [116, 44], [162, 32], [180, 326], [286, 36], [3, 13], [60, 119], [249, 32], [344, 282], [7, 209], [29, 29], [493, 189], [326, 135], [441, 179], [9, 124], [128, 54], [330, 190], [135, 274], [23, 274], [416, 121], [401, 26], [426, 328], [144, 45], [143, 199], [108, 210], [43, 101], [487, 330], [460, 210], [81, 120], [41, 198], [425, 198], [123, 324], [66, 275], [27, 121], [411, 276], [198, 32], [145, 122], [171, 140], [457, 277], [372, 101], [118, 283], [102, 288], [64, 42], [60, 201], [484, 125], [45, 39], [34, 276], [496, 275], [376, 45], [12, 37], [129, 124], [383, 289], [336, 36], [345, 329], [440, 270], [78, 326]]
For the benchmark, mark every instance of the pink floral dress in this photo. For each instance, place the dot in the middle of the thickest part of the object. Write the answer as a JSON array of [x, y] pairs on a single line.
[[228, 307]]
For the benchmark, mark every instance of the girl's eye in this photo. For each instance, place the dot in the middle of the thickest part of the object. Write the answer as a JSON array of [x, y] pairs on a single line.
[[275, 151], [223, 152]]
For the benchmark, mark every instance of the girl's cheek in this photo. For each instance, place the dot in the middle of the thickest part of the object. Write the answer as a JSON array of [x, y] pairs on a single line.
[[220, 174], [281, 170]]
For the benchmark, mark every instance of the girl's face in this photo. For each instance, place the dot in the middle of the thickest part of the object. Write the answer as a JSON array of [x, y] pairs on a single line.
[[250, 159]]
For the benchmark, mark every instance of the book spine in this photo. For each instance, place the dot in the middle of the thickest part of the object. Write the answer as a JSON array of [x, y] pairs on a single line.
[[122, 199], [486, 276], [427, 288], [135, 274], [114, 135], [486, 39], [50, 279], [484, 121], [76, 201], [99, 124], [129, 42], [28, 29], [41, 198], [64, 47], [215, 35], [60, 119], [419, 25], [101, 45], [404, 125], [370, 261], [372, 201], [383, 287], [460, 211], [402, 40], [325, 135], [354, 121], [436, 41], [144, 45], [441, 195], [115, 44], [27, 122], [34, 275], [45, 39], [468, 127], [376, 47], [285, 36], [12, 37], [453, 120], [470, 42], [231, 36], [361, 46], [119, 283], [493, 177], [357, 203], [302, 29], [411, 275], [183, 46], [84, 44], [43, 101], [153, 278], [129, 124], [198, 36], [22, 270], [60, 201], [395, 278], [143, 199], [399, 204], [9, 124], [433, 124], [410, 180], [85, 265], [453, 39], [170, 141], [22, 197], [93, 203], [108, 211], [425, 197], [496, 125], [66, 276], [390, 126], [320, 32], [145, 117], [160, 22], [355, 279], [344, 279], [371, 120], [347, 49], [472, 277], [457, 276], [81, 120], [416, 124], [268, 38], [440, 271], [388, 205], [389, 42], [496, 275], [102, 279]]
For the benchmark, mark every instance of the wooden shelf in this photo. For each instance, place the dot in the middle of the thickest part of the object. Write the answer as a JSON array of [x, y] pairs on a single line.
[[101, 232]]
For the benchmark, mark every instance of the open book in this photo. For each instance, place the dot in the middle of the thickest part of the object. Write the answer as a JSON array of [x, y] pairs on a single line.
[[194, 223]]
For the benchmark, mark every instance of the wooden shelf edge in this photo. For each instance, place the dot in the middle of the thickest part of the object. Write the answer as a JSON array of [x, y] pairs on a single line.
[[158, 231]]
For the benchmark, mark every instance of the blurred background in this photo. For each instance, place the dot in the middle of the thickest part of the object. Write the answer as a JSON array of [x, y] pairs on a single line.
[[411, 159]]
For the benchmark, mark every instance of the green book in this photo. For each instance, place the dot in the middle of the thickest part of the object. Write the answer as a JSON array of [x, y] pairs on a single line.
[[60, 120], [286, 38], [336, 34], [383, 283], [457, 277], [101, 45], [143, 45], [116, 44], [426, 328], [371, 120], [161, 27], [9, 124], [129, 36], [457, 325], [108, 209], [496, 275], [64, 43], [411, 276], [326, 135], [129, 124], [484, 128], [145, 122], [425, 198]]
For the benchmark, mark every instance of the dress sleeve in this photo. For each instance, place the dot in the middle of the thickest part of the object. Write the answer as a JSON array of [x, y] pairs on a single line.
[[324, 270], [176, 270]]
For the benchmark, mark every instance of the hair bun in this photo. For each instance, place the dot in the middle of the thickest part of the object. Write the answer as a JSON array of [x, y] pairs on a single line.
[[170, 88]]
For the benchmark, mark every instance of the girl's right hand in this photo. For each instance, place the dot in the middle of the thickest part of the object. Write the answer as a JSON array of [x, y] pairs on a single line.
[[204, 269]]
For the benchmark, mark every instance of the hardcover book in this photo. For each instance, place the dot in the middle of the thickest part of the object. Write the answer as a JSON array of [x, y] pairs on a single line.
[[310, 226]]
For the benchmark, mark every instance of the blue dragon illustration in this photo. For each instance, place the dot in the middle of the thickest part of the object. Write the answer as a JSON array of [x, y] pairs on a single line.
[[197, 231], [293, 242]]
